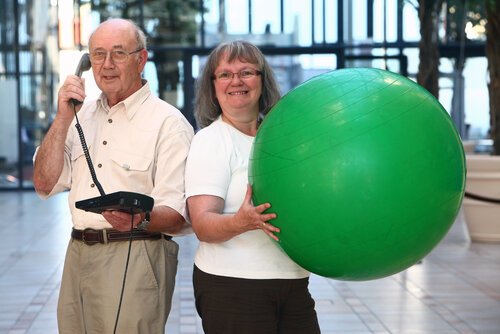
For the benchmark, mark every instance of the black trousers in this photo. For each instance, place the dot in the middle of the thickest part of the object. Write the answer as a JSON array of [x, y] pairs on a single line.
[[230, 305]]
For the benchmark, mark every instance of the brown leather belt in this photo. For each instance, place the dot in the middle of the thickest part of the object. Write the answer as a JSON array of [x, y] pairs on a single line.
[[90, 236]]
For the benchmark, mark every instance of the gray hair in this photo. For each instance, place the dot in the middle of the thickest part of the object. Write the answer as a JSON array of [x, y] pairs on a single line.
[[207, 108], [140, 36]]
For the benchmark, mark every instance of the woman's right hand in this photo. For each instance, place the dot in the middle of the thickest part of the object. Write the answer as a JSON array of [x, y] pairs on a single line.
[[210, 225], [251, 217]]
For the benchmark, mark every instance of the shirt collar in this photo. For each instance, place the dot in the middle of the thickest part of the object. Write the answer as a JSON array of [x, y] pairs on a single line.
[[131, 103]]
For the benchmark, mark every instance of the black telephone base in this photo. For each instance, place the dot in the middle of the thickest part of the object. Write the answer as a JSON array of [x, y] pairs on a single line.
[[121, 200]]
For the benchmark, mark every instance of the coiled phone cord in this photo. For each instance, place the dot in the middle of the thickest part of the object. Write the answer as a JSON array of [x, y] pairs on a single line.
[[86, 152], [101, 191]]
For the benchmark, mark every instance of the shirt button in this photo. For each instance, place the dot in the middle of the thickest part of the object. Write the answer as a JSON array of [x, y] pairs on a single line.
[[110, 120], [92, 185], [104, 142], [99, 165]]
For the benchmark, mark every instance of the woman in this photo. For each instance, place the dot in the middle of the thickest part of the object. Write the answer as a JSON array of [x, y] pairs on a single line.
[[243, 283]]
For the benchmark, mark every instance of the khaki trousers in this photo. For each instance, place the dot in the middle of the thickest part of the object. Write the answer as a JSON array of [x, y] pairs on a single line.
[[92, 282]]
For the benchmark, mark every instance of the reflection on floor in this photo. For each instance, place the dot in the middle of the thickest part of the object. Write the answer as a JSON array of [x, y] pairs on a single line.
[[456, 289]]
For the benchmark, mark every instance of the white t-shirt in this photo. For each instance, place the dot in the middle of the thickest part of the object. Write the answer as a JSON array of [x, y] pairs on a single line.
[[217, 165]]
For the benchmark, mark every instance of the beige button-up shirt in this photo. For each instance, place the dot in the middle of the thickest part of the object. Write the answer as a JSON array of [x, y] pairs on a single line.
[[138, 145]]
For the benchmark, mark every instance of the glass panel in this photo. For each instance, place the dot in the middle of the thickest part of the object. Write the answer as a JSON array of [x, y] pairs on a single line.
[[3, 14], [212, 25], [359, 20], [288, 70], [37, 61], [9, 150], [23, 126], [385, 23], [34, 97], [477, 117], [170, 22], [413, 61], [163, 73], [7, 22], [312, 65], [331, 31], [10, 62], [265, 16], [318, 21], [411, 24], [298, 21], [25, 61], [26, 91], [237, 16], [446, 92]]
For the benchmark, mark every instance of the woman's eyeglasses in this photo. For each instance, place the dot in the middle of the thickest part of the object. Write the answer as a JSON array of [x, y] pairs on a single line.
[[244, 75]]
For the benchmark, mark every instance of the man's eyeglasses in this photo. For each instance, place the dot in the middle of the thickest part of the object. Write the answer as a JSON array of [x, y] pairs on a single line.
[[244, 75], [117, 56]]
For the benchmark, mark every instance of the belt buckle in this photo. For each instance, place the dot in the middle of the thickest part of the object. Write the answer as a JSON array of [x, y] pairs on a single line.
[[88, 242]]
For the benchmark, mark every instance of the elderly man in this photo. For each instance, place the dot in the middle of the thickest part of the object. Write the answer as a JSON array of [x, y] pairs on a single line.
[[138, 143]]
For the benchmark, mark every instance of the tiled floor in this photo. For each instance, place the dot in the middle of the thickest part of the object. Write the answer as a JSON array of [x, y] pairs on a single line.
[[456, 289]]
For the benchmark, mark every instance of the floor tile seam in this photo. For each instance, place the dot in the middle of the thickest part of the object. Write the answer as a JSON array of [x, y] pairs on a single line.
[[10, 261], [451, 318], [465, 277], [41, 298], [470, 280], [475, 247], [454, 320], [22, 251], [341, 288]]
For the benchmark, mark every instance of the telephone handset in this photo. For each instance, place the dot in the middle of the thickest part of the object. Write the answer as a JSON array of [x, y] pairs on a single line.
[[122, 200], [83, 65]]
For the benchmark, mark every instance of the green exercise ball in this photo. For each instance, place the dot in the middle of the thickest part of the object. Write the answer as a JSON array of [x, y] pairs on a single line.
[[364, 169]]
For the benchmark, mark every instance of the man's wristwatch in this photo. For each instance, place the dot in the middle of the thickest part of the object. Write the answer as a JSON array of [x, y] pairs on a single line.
[[144, 223]]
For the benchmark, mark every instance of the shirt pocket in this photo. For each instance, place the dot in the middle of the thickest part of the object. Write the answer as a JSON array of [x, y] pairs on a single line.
[[81, 178], [77, 153], [77, 150], [131, 172]]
